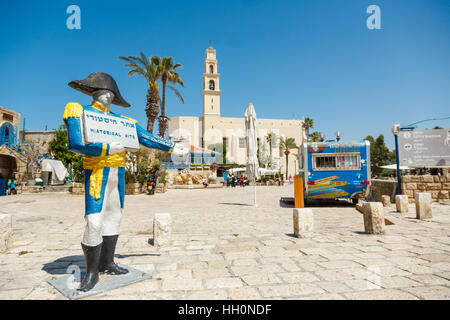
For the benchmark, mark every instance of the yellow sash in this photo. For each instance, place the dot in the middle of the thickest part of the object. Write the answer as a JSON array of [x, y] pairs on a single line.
[[96, 164]]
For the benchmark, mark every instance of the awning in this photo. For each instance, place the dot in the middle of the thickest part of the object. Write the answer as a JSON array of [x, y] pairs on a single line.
[[394, 167], [197, 150], [263, 171]]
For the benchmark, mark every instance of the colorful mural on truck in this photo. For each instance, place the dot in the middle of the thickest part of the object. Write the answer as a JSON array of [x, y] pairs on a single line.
[[336, 170]]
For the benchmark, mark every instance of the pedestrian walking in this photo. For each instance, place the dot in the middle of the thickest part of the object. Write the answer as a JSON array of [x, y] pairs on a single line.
[[8, 187]]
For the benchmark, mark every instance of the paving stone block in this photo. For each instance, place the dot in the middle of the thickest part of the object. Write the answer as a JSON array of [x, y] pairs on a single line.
[[386, 200], [373, 218], [162, 229], [423, 205], [303, 222], [6, 231], [401, 203]]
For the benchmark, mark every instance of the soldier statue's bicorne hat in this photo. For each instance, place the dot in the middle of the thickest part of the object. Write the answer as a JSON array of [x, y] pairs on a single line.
[[99, 81]]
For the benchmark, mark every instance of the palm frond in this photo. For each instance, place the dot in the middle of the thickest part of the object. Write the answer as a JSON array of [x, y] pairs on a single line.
[[176, 92]]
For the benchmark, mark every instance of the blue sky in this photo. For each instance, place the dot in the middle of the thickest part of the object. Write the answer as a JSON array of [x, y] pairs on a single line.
[[289, 58]]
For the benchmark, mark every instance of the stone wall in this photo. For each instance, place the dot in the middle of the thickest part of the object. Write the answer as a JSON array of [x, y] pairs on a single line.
[[77, 188], [382, 188], [437, 186], [133, 188]]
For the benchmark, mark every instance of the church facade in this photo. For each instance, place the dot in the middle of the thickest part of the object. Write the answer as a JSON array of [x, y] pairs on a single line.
[[212, 130]]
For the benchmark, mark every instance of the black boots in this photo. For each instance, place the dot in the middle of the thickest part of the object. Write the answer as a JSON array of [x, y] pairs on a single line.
[[92, 259], [99, 259], [107, 264]]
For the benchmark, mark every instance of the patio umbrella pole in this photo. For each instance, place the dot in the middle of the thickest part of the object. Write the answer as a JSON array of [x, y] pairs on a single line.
[[254, 190]]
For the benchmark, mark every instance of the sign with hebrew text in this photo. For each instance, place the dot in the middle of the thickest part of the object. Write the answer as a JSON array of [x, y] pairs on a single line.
[[107, 128], [424, 148]]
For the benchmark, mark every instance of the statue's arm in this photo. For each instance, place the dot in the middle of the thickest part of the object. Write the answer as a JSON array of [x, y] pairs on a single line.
[[151, 141], [72, 119]]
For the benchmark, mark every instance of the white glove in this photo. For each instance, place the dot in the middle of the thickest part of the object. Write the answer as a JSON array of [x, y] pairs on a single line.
[[115, 147]]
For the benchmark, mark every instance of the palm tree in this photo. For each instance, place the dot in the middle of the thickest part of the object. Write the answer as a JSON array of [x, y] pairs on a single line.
[[271, 138], [146, 67], [286, 144], [166, 70], [308, 123], [315, 137]]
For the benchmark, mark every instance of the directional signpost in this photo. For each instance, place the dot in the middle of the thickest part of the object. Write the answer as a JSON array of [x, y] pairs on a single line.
[[424, 148], [421, 148]]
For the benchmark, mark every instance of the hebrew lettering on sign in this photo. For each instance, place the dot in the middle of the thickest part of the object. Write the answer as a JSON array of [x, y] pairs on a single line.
[[107, 128]]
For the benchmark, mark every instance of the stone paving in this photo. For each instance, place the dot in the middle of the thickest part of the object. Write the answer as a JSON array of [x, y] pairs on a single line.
[[224, 248]]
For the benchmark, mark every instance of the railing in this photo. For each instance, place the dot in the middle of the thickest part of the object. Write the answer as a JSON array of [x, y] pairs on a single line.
[[171, 165]]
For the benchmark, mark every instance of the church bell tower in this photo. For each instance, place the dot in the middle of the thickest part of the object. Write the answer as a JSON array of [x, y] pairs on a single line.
[[211, 89]]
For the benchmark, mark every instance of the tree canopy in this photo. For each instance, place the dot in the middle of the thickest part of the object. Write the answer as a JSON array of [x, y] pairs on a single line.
[[379, 154]]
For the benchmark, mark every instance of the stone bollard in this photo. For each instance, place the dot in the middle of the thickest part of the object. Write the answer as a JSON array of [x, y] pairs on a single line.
[[386, 200], [373, 218], [303, 222], [423, 205], [162, 229], [5, 231], [401, 203]]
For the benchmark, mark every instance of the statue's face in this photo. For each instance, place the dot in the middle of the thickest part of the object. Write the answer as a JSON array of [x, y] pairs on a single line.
[[105, 97]]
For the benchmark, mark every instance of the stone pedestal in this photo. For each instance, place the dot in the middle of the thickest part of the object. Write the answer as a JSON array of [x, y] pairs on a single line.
[[401, 203], [162, 229], [423, 205], [77, 188], [5, 231], [303, 222], [373, 218], [386, 200]]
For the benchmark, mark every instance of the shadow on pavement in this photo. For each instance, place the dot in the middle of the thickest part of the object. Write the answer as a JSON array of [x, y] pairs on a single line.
[[236, 204], [323, 203], [63, 265]]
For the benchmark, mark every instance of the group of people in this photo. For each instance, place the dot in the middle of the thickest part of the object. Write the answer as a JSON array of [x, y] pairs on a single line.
[[233, 181], [11, 187]]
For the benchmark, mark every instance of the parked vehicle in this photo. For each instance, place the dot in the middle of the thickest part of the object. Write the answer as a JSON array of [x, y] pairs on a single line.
[[332, 170], [244, 182], [151, 185]]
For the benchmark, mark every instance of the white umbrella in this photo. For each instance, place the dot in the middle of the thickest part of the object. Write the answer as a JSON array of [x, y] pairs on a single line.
[[263, 171], [252, 145]]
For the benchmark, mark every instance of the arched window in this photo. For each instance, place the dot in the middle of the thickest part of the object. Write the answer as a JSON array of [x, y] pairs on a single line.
[[212, 85], [211, 68]]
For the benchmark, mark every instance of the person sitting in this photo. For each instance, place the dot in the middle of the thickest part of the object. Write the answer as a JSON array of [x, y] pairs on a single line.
[[205, 183]]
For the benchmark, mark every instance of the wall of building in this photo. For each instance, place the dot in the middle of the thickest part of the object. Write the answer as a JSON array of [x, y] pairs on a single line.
[[39, 138], [234, 130]]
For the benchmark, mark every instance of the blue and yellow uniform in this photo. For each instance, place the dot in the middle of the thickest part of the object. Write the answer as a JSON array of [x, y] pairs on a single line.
[[98, 160]]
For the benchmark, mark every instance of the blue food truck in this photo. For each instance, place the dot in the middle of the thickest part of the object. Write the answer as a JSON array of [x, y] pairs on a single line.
[[332, 170]]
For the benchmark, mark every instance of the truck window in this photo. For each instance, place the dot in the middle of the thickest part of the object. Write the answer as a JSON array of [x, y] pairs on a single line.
[[336, 161]]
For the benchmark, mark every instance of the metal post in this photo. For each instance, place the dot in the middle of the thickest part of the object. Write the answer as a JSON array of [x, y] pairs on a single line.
[[23, 132], [399, 178], [254, 189]]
